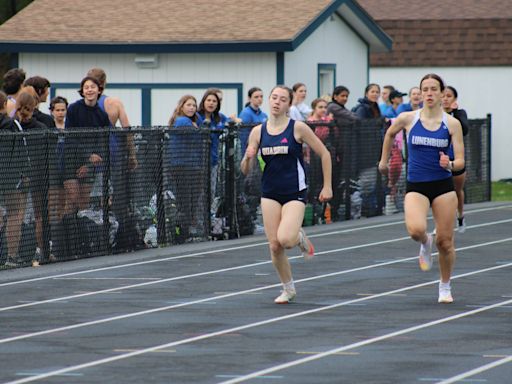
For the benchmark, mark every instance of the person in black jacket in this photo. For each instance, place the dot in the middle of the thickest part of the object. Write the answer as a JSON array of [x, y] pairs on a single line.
[[450, 106], [82, 154], [368, 107], [42, 86], [35, 131], [14, 183]]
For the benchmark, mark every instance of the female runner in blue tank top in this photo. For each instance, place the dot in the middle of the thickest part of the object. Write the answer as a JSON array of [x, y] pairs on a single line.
[[283, 184], [430, 131]]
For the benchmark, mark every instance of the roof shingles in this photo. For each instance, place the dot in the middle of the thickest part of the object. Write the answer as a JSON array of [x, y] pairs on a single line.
[[160, 21], [446, 33]]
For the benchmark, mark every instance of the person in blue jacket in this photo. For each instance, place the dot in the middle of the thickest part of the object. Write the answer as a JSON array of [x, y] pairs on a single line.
[[251, 115], [213, 119], [188, 154], [430, 132]]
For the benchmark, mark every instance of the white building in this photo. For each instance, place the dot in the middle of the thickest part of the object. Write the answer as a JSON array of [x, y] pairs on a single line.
[[154, 52]]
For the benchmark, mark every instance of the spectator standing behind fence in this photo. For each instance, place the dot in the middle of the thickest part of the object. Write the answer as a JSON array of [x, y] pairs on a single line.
[[284, 189], [367, 107], [39, 149], [56, 196], [116, 113], [12, 84], [343, 117], [386, 91], [212, 118], [123, 161], [396, 98], [26, 103], [42, 87], [451, 107], [251, 115], [187, 166], [414, 101], [14, 184], [429, 179], [328, 138], [299, 110], [83, 154]]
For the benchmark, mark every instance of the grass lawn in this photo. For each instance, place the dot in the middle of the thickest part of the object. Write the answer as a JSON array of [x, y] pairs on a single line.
[[502, 190]]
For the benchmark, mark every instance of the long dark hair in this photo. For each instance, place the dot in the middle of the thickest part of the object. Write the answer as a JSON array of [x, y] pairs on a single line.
[[373, 105], [216, 113]]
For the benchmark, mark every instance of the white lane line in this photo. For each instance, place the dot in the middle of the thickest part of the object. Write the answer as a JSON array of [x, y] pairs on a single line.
[[222, 270], [363, 343], [244, 292], [476, 371], [110, 278], [182, 277], [221, 250], [258, 324]]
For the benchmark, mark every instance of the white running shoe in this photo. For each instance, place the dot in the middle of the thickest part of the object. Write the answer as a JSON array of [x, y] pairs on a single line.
[[445, 295], [425, 258], [285, 297], [308, 251], [462, 224]]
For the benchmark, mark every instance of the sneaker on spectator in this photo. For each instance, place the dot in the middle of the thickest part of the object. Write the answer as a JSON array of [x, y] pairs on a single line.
[[445, 295], [425, 257], [308, 251], [285, 297], [37, 257], [462, 224]]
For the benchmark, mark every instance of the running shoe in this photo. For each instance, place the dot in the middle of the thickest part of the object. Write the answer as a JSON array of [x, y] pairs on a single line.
[[462, 224], [445, 295], [425, 257], [308, 251], [285, 297], [37, 257]]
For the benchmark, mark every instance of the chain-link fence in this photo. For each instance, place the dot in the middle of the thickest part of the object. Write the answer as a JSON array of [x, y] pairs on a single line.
[[87, 192]]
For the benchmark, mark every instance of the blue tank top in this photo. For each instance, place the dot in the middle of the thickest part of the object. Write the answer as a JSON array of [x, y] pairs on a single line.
[[101, 102], [284, 165], [423, 151]]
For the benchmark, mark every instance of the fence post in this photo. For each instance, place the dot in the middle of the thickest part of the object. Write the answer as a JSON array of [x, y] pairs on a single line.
[[232, 223], [488, 151], [106, 190], [160, 208], [45, 222]]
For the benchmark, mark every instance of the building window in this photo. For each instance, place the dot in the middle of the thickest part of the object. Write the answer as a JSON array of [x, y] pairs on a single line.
[[326, 79]]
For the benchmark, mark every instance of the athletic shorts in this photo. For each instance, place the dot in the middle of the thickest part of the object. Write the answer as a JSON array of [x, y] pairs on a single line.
[[459, 172], [301, 196], [431, 189]]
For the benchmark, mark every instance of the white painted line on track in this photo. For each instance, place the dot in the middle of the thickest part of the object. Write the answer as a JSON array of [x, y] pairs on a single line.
[[220, 250], [248, 291], [110, 290], [277, 319], [182, 277], [476, 371], [363, 343], [222, 270]]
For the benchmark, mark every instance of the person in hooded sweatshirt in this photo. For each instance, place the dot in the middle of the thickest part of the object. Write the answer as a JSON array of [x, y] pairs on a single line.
[[368, 107]]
